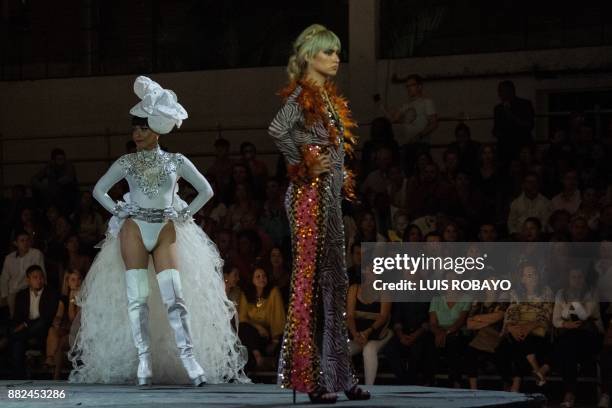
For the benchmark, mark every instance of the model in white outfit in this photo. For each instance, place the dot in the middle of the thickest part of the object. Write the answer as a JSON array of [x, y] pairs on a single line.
[[121, 273]]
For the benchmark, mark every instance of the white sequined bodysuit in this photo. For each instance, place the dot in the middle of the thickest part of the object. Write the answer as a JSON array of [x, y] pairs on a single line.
[[152, 176]]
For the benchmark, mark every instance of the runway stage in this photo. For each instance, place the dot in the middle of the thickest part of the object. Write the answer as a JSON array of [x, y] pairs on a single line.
[[250, 395]]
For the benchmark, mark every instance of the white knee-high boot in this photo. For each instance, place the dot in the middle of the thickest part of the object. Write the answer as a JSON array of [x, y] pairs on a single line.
[[137, 283], [172, 296]]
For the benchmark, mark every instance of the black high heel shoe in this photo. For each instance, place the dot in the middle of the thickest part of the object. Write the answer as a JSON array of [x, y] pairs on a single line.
[[357, 393], [320, 396]]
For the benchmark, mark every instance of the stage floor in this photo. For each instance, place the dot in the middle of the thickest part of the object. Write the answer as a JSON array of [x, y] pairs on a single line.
[[251, 395]]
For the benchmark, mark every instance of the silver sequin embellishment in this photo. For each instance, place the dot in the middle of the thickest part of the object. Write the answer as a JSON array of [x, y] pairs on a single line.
[[151, 168]]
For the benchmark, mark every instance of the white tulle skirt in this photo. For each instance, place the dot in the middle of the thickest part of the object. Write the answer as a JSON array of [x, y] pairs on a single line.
[[104, 352]]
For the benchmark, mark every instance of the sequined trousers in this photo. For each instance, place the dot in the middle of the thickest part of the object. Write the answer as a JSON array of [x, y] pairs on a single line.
[[315, 350]]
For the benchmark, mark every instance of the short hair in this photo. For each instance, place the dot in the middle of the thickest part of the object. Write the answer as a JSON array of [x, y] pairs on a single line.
[[33, 268], [462, 127], [416, 78], [245, 145], [535, 221], [57, 152], [508, 85], [21, 232], [220, 142]]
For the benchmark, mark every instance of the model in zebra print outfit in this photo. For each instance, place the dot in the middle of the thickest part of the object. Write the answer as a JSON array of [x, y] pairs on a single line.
[[315, 351]]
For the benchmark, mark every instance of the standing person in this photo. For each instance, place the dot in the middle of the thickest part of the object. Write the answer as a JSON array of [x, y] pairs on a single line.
[[312, 131], [514, 119], [153, 220], [419, 120]]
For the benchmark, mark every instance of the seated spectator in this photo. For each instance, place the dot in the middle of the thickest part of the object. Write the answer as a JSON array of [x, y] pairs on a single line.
[[74, 259], [579, 229], [429, 193], [56, 183], [559, 222], [468, 149], [411, 351], [28, 222], [526, 327], [529, 204], [221, 170], [378, 180], [451, 232], [450, 159], [485, 319], [412, 233], [13, 278], [569, 198], [273, 219], [381, 134], [368, 325], [242, 203], [59, 233], [398, 189], [590, 208], [448, 313], [59, 333], [367, 230], [280, 273], [579, 327], [231, 277], [248, 222], [400, 223], [261, 317], [88, 222], [258, 168], [34, 311], [492, 183], [531, 231], [487, 232], [247, 255], [469, 207]]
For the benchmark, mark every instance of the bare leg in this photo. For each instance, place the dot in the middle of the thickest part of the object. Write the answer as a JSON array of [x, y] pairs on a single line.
[[168, 277], [133, 251], [52, 345]]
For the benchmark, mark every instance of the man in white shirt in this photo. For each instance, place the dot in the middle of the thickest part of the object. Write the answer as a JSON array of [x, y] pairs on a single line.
[[13, 277], [418, 118], [529, 204]]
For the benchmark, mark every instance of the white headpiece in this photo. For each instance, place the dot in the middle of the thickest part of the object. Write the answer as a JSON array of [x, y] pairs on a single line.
[[158, 105]]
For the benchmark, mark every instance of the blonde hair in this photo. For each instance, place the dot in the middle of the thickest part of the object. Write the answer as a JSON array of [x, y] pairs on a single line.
[[313, 39], [65, 285]]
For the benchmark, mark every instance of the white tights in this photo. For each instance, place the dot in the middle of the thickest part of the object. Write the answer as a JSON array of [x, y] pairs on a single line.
[[370, 355]]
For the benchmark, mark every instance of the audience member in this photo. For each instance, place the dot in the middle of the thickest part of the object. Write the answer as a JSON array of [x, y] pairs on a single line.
[[59, 332], [33, 314], [368, 325], [14, 278], [514, 119], [579, 329], [261, 317]]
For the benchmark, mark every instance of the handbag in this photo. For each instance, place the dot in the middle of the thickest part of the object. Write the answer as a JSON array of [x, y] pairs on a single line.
[[487, 339]]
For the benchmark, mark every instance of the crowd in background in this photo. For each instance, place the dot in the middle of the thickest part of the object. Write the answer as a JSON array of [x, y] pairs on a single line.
[[510, 190]]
